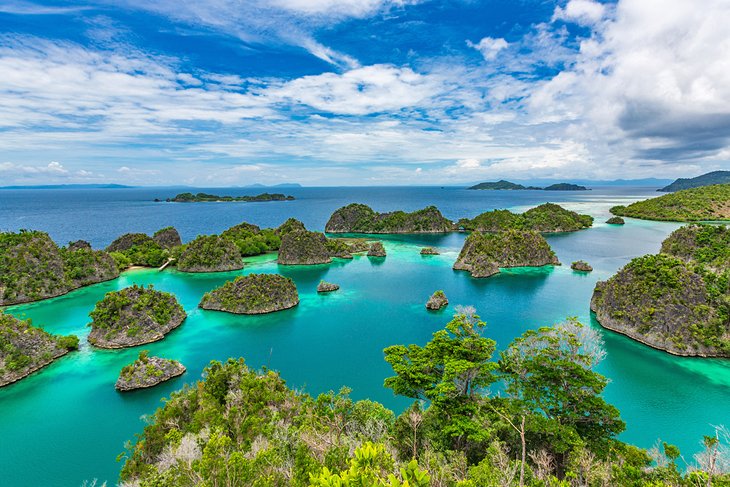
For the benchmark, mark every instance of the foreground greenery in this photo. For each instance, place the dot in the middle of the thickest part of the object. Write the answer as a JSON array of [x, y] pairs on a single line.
[[551, 427], [546, 218], [705, 203], [678, 300]]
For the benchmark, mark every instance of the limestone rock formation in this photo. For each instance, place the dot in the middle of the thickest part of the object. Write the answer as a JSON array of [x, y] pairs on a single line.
[[210, 253], [148, 372], [134, 316], [582, 266], [253, 294], [376, 250], [167, 237], [327, 287], [616, 220], [429, 251], [302, 247], [359, 218], [437, 301]]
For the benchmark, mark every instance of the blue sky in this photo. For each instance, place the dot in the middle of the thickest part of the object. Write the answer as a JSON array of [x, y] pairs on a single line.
[[361, 92]]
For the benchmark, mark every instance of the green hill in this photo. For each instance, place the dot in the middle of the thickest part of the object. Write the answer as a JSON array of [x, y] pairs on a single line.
[[706, 203], [714, 177]]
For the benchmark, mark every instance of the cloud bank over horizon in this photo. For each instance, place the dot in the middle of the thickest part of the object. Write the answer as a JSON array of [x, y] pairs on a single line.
[[325, 92]]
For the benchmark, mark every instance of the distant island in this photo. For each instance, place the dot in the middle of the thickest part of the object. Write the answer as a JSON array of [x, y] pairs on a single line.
[[213, 198], [706, 203], [715, 177], [508, 185]]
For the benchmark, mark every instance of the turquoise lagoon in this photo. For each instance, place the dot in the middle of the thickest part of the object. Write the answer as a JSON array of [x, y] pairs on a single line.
[[66, 424]]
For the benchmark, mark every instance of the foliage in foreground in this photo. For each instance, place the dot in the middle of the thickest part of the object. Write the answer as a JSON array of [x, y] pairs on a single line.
[[553, 428]]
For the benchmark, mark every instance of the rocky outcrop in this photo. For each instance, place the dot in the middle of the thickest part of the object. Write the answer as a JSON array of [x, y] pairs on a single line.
[[660, 300], [437, 301], [148, 372], [210, 253], [301, 247], [359, 218], [290, 225], [134, 316], [253, 294], [327, 287], [545, 218], [708, 245], [616, 220], [582, 266], [33, 267], [79, 245], [429, 251], [167, 237], [343, 248], [484, 253], [25, 349], [129, 240], [376, 250]]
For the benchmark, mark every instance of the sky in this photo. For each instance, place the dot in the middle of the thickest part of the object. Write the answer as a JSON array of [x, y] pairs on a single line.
[[361, 92]]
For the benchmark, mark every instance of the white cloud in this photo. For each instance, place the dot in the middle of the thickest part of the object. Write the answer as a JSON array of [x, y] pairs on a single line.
[[489, 47], [53, 168], [468, 163], [348, 8], [586, 12]]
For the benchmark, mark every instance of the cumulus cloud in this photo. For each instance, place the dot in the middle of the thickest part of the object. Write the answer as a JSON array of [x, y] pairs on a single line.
[[489, 47], [586, 12]]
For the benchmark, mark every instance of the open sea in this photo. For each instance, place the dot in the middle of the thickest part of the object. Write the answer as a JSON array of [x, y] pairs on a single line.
[[66, 424]]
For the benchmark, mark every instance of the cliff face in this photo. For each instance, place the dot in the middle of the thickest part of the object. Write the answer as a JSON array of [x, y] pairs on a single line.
[[148, 372], [167, 237], [253, 294], [210, 253], [359, 218], [134, 316], [483, 253], [33, 267], [301, 247], [25, 348]]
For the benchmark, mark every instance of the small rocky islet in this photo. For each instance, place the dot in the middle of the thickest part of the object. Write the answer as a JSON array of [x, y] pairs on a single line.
[[327, 287], [616, 220], [484, 253], [134, 316], [359, 218], [437, 301], [253, 294], [148, 372], [376, 250], [581, 266], [429, 251], [676, 300], [25, 348]]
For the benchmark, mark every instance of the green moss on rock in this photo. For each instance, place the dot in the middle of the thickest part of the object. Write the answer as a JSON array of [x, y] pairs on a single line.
[[253, 294], [483, 253], [616, 220], [134, 316], [359, 218], [25, 349], [210, 253], [302, 247]]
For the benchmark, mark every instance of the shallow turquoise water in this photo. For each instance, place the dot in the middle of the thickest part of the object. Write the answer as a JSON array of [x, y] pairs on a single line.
[[67, 424]]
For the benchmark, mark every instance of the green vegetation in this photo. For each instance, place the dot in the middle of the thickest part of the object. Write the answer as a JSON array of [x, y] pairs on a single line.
[[253, 294], [706, 203], [210, 253], [678, 300], [565, 187], [204, 197], [359, 218], [615, 220], [147, 371], [552, 428], [546, 218], [25, 348], [133, 316], [501, 185], [302, 247], [137, 249], [32, 267], [715, 177], [251, 240]]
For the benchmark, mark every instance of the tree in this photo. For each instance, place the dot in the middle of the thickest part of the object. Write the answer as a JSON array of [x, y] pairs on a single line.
[[451, 371], [550, 371]]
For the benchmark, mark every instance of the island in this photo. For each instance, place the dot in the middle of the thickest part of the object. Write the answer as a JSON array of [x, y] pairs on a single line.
[[484, 253], [376, 250], [327, 287], [705, 203], [674, 301], [437, 301], [581, 266], [210, 253], [302, 247], [138, 249], [213, 198], [25, 349], [134, 316], [545, 218], [33, 267], [710, 178], [147, 372], [344, 248], [503, 185], [429, 251], [252, 295], [616, 220], [359, 218], [167, 237]]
